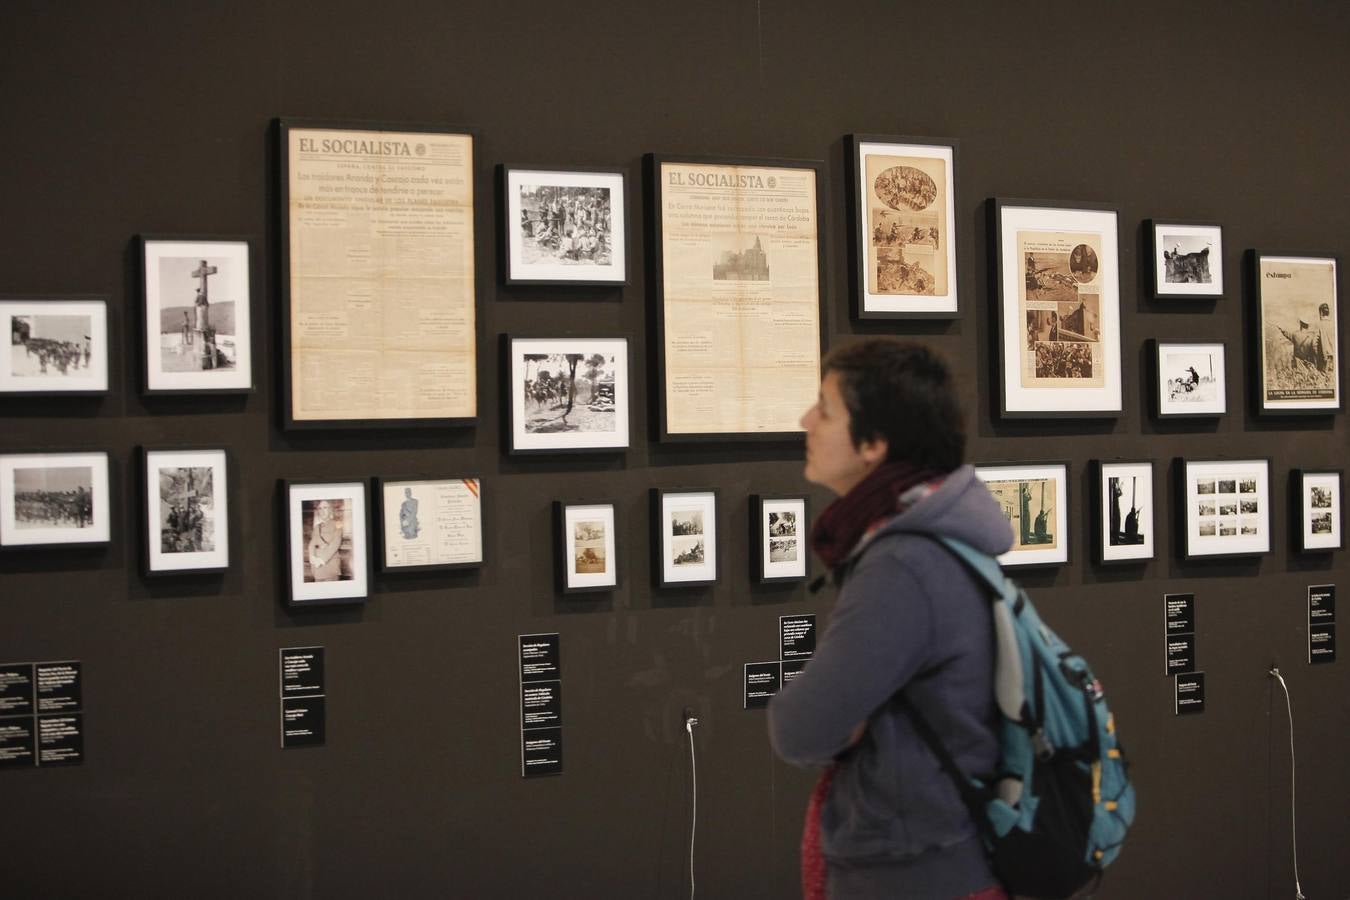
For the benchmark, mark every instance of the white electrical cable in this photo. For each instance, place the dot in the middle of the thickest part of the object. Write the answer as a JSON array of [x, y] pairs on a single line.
[[689, 724], [1293, 798]]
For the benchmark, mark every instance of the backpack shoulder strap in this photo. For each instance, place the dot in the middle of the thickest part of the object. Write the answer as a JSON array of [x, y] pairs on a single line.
[[985, 567]]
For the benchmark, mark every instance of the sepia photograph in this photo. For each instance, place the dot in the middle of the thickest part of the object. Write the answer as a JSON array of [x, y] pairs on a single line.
[[569, 394], [1317, 495], [739, 257], [1190, 379], [1226, 505], [186, 513], [1298, 335], [685, 537], [586, 546], [430, 524], [565, 226], [327, 534], [49, 499], [779, 530], [1033, 499], [55, 347], [1187, 259]]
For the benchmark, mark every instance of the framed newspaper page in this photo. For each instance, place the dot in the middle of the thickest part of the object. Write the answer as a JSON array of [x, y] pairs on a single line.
[[1034, 499], [564, 225], [902, 203], [1295, 331], [378, 281], [1058, 315], [1224, 507], [738, 293]]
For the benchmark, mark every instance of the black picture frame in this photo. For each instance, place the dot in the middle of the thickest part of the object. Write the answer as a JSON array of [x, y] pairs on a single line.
[[515, 437], [562, 568], [1257, 339], [99, 539], [1189, 548], [1156, 352], [147, 484], [710, 574], [758, 538], [1099, 469], [9, 308], [1303, 538], [361, 486], [377, 485], [622, 243], [1158, 287]]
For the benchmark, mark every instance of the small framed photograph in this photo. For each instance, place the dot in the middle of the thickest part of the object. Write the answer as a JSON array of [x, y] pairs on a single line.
[[903, 206], [567, 394], [1189, 380], [1034, 498], [326, 542], [187, 514], [1124, 502], [429, 524], [1187, 259], [1296, 332], [565, 225], [779, 535], [1058, 313], [196, 298], [587, 547], [57, 346], [54, 499], [1317, 505], [1224, 508], [684, 537]]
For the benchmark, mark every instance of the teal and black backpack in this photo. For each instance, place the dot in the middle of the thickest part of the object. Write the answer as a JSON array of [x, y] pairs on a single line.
[[1055, 812]]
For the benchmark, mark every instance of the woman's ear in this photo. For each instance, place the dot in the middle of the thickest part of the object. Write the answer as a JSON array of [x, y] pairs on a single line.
[[874, 451]]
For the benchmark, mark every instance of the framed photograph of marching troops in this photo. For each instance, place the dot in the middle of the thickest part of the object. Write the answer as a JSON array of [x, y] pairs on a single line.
[[1187, 259], [1058, 315], [1189, 380], [196, 315], [58, 346], [1124, 501], [779, 538], [54, 499], [567, 395], [684, 538], [902, 202], [1034, 499], [429, 524], [564, 225], [587, 547], [1295, 331], [326, 542], [1224, 507], [1318, 518], [185, 505]]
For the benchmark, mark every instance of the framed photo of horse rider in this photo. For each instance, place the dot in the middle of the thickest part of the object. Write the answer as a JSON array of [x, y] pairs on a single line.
[[1187, 259], [1295, 330], [566, 395], [1124, 502]]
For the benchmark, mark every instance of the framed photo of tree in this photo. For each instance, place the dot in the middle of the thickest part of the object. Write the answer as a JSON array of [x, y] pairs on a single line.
[[567, 394]]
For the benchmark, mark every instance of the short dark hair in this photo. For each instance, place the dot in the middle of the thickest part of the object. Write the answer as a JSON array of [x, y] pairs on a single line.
[[903, 392]]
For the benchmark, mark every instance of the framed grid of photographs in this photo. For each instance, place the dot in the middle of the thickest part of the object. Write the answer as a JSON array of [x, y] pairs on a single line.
[[196, 315], [326, 542], [1295, 330], [564, 225], [1224, 507], [186, 510], [587, 547], [1318, 519], [1189, 380], [1187, 259], [567, 394], [779, 529], [54, 499], [1034, 498], [684, 537], [1058, 314], [1124, 503], [429, 524], [58, 346], [902, 202]]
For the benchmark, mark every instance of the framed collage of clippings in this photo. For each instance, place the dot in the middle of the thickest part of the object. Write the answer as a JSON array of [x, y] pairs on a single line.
[[378, 283], [58, 346], [54, 499], [1034, 499], [1296, 334], [429, 524], [196, 305], [587, 547], [779, 545], [684, 538], [326, 542], [1124, 504], [1318, 521], [739, 261], [1189, 380], [566, 394], [564, 226], [1187, 259], [902, 204], [1058, 314], [186, 510], [1224, 507]]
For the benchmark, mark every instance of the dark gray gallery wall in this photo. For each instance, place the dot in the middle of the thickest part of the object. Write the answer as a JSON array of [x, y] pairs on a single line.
[[155, 117]]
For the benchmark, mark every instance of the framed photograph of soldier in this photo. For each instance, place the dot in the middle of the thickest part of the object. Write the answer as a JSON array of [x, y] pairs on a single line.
[[58, 346], [196, 305], [564, 225], [1189, 380], [780, 538], [326, 542], [684, 537], [1295, 329], [186, 517], [587, 547], [1124, 502], [1058, 315], [1034, 499], [1318, 518], [567, 394], [54, 499], [1187, 259], [1223, 507], [429, 524], [902, 203], [739, 296]]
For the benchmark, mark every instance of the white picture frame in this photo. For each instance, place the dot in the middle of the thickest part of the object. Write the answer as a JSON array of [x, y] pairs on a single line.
[[54, 499], [334, 565], [57, 346], [1125, 512], [187, 514], [1034, 499], [539, 379], [1225, 507]]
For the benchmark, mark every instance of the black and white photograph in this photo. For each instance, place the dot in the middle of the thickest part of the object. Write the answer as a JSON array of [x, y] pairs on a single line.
[[1190, 380], [1226, 507], [196, 315], [429, 524], [1317, 499], [1187, 259], [568, 394], [565, 226], [587, 546], [50, 499], [1034, 498], [685, 540], [1125, 511], [186, 510], [55, 346], [326, 526], [740, 257], [1297, 331], [779, 538]]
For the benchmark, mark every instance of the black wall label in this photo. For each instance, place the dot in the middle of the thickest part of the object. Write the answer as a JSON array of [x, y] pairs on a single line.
[[304, 701], [18, 747], [1190, 697], [41, 718], [60, 740], [540, 657], [540, 704], [1180, 613], [1321, 603], [16, 690], [1322, 643], [301, 671], [58, 687], [791, 669], [796, 637], [762, 681], [541, 752], [1180, 653]]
